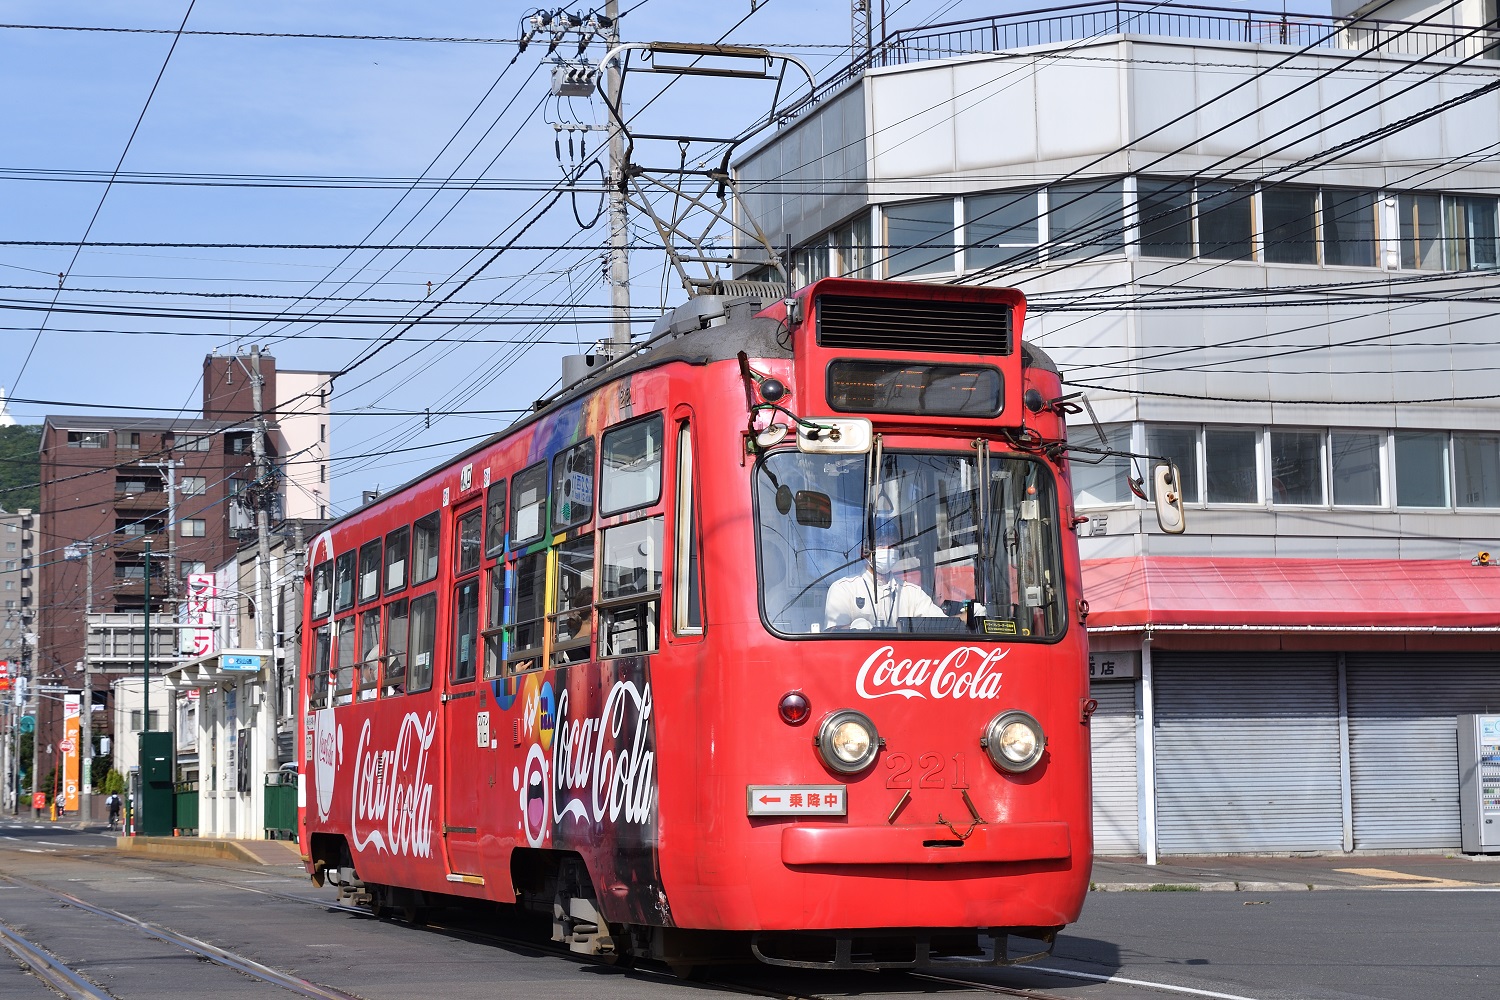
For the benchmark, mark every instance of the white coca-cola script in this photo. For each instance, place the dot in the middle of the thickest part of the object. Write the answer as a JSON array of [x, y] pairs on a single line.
[[392, 797], [590, 780], [966, 672]]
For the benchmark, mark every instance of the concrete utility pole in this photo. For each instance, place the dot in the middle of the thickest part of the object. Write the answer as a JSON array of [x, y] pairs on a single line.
[[619, 234], [265, 493]]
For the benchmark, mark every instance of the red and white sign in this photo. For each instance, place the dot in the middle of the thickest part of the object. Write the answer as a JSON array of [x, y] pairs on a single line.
[[796, 800], [65, 746], [202, 607], [4, 675]]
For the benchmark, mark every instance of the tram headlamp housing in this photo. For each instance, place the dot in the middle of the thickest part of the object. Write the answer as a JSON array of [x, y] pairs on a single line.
[[847, 741], [1014, 741]]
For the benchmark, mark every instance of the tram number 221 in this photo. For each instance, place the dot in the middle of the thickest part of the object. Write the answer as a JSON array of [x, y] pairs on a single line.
[[931, 771]]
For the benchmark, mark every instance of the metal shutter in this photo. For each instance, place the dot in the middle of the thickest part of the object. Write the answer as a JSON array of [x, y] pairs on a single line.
[[1247, 753], [1403, 742], [1112, 732]]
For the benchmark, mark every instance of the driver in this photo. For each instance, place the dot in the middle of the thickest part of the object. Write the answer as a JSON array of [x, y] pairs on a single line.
[[880, 599]]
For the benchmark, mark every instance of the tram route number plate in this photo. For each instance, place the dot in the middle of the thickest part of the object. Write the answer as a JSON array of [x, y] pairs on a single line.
[[797, 800]]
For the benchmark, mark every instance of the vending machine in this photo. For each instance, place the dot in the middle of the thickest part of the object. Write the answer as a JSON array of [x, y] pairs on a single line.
[[1479, 782]]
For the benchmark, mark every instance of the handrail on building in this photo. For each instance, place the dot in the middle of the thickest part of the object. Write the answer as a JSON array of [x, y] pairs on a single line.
[[1080, 22]]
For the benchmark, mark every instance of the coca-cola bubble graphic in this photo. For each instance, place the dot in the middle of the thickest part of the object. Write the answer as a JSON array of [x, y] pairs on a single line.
[[328, 752]]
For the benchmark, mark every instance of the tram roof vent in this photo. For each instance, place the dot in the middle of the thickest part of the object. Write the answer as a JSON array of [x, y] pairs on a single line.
[[873, 323], [698, 313]]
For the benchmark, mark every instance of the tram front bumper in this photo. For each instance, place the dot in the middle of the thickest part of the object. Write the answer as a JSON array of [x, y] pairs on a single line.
[[986, 843]]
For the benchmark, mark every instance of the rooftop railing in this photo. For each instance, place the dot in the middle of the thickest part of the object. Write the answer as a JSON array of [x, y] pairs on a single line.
[[1081, 22]]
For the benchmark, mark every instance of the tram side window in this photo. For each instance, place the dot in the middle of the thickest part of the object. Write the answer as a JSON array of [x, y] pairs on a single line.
[[573, 601], [630, 476], [369, 654], [494, 520], [469, 541], [573, 486], [396, 544], [528, 505], [424, 549], [630, 588], [465, 629], [494, 626], [395, 655], [369, 571], [322, 589], [528, 591], [687, 601], [343, 582], [317, 682], [343, 691], [423, 639]]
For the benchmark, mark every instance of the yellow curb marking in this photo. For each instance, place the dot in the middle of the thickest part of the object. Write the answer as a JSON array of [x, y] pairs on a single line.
[[1382, 873]]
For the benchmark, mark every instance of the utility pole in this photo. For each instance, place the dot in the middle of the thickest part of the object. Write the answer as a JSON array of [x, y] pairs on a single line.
[[619, 235], [86, 708], [146, 659], [265, 492]]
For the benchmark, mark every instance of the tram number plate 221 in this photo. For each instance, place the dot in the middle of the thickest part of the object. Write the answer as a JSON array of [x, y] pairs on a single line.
[[929, 770]]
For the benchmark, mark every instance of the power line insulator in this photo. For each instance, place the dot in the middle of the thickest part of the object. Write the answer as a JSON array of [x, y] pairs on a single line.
[[572, 80]]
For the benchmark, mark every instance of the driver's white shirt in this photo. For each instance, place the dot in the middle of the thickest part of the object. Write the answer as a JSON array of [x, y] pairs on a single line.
[[858, 602]]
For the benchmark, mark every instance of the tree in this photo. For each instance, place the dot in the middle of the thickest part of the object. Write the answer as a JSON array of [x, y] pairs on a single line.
[[20, 466]]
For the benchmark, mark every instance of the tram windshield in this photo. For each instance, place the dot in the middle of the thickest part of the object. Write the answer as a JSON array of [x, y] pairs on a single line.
[[914, 545]]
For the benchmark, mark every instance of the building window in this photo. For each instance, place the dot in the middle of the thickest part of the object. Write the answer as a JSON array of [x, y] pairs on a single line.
[[88, 439], [1471, 233], [1226, 225], [1289, 225], [851, 248], [1297, 467], [199, 443], [1001, 229], [1084, 219], [1099, 480], [194, 486], [919, 238], [1349, 228], [1164, 214], [1476, 466], [1230, 461], [194, 527], [1421, 469], [1356, 468], [1421, 220], [191, 568], [1179, 445]]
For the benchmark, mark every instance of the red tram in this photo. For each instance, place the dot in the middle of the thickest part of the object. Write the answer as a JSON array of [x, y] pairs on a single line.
[[766, 639]]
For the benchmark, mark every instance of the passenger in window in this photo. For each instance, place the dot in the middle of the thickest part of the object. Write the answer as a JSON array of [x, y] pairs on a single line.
[[878, 599]]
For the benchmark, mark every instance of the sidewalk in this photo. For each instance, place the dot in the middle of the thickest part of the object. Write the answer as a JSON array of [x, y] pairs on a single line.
[[1268, 874]]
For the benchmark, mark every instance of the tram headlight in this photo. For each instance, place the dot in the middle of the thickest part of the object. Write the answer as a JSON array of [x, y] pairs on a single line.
[[1014, 741], [847, 741]]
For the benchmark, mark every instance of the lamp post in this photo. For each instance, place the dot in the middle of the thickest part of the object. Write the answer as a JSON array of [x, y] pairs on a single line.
[[73, 553]]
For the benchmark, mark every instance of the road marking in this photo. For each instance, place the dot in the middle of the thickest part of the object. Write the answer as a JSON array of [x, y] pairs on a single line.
[[1136, 982], [1405, 877], [52, 843]]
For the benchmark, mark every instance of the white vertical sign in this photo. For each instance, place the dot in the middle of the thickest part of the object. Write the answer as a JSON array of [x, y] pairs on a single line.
[[202, 609]]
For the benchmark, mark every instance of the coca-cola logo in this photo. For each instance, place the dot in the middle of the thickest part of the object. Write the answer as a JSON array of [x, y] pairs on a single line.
[[392, 791], [965, 672], [601, 768]]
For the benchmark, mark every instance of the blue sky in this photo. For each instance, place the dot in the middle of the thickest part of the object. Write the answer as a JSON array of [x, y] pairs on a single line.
[[318, 108]]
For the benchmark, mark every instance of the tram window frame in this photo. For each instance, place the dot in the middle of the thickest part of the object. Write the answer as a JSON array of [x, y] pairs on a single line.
[[322, 580], [641, 466], [687, 594], [570, 478], [494, 622], [419, 659], [528, 582], [344, 656], [368, 674], [467, 549], [570, 623], [626, 610], [318, 684], [393, 663], [343, 578], [494, 520], [463, 669], [426, 542], [398, 541], [369, 571], [529, 478]]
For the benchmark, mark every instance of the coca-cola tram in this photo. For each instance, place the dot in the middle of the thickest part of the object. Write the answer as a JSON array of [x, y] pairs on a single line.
[[767, 640]]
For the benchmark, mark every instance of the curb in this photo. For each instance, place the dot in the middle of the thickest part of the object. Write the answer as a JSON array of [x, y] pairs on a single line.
[[1207, 886]]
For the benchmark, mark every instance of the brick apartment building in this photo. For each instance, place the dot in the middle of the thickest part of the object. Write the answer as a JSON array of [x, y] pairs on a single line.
[[111, 483]]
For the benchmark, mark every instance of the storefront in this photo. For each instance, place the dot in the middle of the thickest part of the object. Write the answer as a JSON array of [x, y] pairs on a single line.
[[1286, 706]]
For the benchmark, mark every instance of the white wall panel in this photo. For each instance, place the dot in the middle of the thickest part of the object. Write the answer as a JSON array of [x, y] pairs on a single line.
[[1079, 111], [995, 114], [911, 127]]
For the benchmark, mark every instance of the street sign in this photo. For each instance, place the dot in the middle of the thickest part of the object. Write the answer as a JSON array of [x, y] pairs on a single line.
[[239, 661], [65, 746], [28, 723]]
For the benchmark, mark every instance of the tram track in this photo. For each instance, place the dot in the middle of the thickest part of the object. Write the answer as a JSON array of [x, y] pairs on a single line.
[[71, 984]]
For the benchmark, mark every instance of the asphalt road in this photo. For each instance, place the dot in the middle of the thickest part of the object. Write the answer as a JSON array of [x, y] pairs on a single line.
[[1338, 945]]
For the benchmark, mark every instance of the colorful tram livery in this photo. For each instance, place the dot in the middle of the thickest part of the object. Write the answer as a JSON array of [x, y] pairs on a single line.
[[765, 640]]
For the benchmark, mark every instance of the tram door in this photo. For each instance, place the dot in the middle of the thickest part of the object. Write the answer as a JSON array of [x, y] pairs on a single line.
[[465, 732]]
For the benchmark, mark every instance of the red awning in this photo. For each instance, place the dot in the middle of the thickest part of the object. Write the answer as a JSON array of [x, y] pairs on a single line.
[[1297, 593]]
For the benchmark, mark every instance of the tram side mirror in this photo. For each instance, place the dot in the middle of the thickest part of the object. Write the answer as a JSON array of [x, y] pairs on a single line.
[[814, 509], [1166, 490]]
